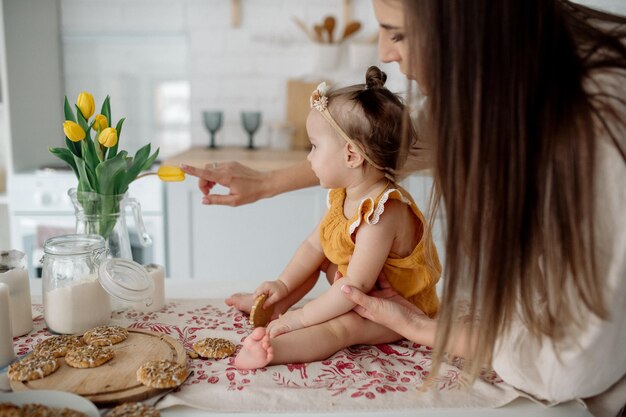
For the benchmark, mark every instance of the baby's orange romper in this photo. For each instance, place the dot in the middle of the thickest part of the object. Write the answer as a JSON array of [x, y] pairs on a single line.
[[414, 276]]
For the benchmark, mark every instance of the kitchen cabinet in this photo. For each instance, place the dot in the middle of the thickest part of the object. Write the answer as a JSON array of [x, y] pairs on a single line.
[[251, 243]]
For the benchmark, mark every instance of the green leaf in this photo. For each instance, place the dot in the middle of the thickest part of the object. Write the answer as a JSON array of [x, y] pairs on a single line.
[[73, 147], [65, 155], [118, 128], [119, 186], [138, 162], [82, 121], [106, 109], [69, 114], [108, 170], [89, 156], [83, 178], [150, 160]]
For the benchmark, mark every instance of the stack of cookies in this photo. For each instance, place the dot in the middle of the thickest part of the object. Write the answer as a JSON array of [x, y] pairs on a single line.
[[89, 351]]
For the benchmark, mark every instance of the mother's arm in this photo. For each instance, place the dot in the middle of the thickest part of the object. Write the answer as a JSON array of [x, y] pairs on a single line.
[[247, 185], [386, 307]]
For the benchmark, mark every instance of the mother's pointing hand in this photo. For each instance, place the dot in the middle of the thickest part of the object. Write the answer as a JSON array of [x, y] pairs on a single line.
[[245, 185]]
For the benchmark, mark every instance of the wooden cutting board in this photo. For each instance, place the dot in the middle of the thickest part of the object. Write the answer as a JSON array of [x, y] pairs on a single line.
[[114, 382], [298, 107]]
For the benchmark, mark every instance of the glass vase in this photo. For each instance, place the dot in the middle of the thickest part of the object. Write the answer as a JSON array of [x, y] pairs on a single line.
[[105, 215]]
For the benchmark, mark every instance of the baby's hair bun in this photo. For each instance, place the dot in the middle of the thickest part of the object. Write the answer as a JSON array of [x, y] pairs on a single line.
[[375, 78]]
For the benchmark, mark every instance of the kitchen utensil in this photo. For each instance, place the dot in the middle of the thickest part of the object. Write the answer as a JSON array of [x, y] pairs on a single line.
[[116, 382], [304, 28], [251, 121], [213, 123], [329, 25], [319, 33], [350, 29]]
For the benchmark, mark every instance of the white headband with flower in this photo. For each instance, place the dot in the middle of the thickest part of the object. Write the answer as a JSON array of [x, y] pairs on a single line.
[[319, 102]]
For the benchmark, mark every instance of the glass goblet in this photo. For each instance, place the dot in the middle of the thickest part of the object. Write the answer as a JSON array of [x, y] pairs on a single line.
[[251, 121], [213, 123]]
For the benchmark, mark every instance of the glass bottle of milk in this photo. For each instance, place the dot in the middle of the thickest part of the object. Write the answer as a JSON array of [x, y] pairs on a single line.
[[13, 273]]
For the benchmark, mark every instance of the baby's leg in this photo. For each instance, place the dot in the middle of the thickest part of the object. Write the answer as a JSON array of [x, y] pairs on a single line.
[[243, 301], [313, 343]]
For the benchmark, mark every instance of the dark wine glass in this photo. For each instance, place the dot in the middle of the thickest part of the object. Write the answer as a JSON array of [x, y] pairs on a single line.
[[213, 123], [251, 121]]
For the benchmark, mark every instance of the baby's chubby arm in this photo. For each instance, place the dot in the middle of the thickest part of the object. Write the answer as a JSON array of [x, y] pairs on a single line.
[[372, 246], [306, 261]]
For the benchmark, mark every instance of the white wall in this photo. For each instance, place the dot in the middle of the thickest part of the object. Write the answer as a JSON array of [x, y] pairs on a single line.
[[232, 69]]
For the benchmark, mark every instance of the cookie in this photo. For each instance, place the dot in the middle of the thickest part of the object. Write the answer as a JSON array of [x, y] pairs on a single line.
[[162, 374], [68, 412], [10, 410], [259, 317], [38, 410], [32, 367], [57, 346], [88, 356], [214, 348], [133, 410], [105, 335]]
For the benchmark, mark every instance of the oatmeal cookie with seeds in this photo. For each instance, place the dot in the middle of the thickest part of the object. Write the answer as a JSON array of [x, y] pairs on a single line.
[[88, 356], [105, 335], [214, 348], [38, 410], [162, 374], [57, 346], [133, 410], [32, 367], [10, 410]]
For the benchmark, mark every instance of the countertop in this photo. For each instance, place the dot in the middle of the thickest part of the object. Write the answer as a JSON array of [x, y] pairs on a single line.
[[261, 158], [189, 288]]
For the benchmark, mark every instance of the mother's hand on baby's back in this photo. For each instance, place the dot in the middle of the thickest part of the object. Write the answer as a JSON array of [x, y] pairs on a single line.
[[245, 185]]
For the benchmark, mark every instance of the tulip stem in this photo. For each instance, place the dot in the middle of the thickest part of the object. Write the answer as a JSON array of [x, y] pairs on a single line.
[[145, 174]]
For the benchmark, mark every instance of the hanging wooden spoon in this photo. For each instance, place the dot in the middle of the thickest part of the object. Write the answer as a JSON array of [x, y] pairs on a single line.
[[350, 29], [329, 25], [319, 33]]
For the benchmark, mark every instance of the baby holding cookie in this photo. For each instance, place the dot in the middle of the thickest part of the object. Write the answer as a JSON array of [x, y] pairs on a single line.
[[372, 225]]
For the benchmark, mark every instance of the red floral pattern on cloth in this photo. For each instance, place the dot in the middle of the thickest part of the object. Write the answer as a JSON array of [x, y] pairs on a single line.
[[381, 377]]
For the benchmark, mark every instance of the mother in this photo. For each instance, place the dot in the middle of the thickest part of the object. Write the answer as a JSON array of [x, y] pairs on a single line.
[[524, 127]]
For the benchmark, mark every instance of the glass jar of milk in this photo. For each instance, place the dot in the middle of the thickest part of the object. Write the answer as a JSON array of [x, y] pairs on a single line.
[[80, 285]]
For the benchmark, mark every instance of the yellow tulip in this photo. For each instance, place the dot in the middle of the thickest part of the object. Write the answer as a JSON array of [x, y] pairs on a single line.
[[73, 131], [85, 104], [100, 122], [171, 174], [108, 137]]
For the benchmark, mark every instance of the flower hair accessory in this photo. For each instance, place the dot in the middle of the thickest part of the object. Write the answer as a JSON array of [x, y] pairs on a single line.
[[319, 97], [319, 102]]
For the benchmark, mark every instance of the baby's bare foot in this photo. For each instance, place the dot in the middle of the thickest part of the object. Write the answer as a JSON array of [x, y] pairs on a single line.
[[256, 351], [242, 301]]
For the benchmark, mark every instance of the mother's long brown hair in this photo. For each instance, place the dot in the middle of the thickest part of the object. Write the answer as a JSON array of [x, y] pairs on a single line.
[[515, 126]]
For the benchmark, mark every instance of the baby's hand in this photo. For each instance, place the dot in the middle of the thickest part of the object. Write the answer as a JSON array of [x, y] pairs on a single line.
[[275, 290], [288, 322]]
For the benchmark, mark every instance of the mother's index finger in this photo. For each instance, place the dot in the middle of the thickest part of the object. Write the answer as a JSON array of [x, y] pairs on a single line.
[[191, 170]]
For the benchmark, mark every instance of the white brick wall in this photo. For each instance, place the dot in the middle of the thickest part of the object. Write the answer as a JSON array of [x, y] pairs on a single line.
[[232, 69]]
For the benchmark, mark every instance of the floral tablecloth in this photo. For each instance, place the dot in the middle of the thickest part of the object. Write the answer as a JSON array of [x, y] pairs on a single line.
[[373, 378]]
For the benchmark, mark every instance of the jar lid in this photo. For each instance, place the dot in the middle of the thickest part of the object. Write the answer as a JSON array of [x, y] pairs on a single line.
[[126, 280], [73, 244]]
